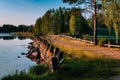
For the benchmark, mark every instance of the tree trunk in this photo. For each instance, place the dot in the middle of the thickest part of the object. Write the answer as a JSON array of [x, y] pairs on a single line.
[[95, 24], [116, 32]]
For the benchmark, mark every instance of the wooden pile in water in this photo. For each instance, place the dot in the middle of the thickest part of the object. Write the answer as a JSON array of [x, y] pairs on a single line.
[[44, 53]]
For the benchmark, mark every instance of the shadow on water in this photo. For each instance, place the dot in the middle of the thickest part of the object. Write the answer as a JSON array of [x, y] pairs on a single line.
[[7, 37], [21, 37], [12, 37]]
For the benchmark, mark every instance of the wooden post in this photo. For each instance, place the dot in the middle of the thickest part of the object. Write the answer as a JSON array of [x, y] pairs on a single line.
[[109, 44]]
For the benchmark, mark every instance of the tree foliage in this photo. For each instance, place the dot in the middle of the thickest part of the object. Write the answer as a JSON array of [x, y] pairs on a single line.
[[111, 14], [37, 29], [92, 5], [7, 28], [72, 24], [78, 25], [58, 21], [55, 21]]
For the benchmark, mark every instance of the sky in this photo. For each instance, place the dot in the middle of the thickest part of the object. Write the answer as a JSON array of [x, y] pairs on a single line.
[[26, 12]]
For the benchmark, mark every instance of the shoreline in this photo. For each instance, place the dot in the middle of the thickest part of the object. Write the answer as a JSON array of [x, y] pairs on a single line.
[[82, 61]]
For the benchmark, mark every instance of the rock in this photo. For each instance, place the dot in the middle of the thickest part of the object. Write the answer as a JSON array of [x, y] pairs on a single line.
[[18, 57], [23, 53], [31, 43]]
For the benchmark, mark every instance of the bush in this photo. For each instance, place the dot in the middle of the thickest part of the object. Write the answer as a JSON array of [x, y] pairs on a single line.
[[38, 69], [102, 41]]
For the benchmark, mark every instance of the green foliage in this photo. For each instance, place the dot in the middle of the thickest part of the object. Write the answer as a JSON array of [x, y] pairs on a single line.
[[47, 22], [78, 25], [53, 22], [102, 41], [6, 28], [72, 24], [111, 15], [87, 68], [38, 70], [61, 20], [74, 1], [74, 69], [19, 76], [58, 21], [37, 29]]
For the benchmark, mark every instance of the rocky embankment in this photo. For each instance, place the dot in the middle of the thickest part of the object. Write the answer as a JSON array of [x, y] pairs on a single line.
[[43, 52]]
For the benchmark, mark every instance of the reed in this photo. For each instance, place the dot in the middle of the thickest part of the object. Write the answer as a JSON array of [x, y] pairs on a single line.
[[25, 34]]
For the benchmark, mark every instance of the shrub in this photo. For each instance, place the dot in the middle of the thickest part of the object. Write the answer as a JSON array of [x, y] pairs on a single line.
[[102, 41], [38, 69]]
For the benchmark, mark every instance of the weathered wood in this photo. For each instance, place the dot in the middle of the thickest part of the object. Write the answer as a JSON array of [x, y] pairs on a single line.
[[44, 53], [54, 63], [56, 51], [60, 55], [52, 49]]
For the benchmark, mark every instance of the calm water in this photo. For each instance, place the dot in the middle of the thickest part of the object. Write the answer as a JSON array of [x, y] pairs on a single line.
[[10, 48]]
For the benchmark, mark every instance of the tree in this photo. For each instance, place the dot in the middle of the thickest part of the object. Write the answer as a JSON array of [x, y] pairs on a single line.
[[47, 22], [61, 20], [53, 22], [66, 14], [111, 13], [78, 2], [37, 27], [7, 28], [95, 23], [78, 25], [23, 28], [58, 21], [72, 24]]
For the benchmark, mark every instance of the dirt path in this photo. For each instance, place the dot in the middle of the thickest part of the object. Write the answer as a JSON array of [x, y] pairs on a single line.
[[110, 52]]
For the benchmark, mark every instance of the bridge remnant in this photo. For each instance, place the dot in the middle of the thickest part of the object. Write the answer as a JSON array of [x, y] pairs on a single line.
[[42, 52]]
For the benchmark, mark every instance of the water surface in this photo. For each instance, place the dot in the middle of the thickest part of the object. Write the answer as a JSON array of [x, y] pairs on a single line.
[[11, 48]]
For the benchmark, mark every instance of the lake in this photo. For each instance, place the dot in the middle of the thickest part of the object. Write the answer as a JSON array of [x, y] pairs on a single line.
[[11, 47]]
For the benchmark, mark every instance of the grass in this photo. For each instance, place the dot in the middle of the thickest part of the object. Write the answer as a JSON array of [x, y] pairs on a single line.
[[25, 34], [78, 65], [72, 69], [38, 70], [87, 68]]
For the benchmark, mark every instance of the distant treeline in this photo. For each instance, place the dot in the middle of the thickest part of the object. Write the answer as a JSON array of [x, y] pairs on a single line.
[[7, 28]]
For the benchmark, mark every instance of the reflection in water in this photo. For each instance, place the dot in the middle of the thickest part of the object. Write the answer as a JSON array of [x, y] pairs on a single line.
[[7, 37], [11, 37], [10, 48], [21, 37]]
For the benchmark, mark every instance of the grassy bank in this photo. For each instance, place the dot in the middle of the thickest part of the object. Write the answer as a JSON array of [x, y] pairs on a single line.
[[78, 65], [72, 69], [25, 34]]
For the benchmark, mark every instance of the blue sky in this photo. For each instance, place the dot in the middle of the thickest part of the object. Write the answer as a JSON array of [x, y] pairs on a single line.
[[26, 11]]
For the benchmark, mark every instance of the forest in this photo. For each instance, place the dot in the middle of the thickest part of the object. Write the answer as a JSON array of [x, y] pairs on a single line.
[[60, 21], [8, 28], [74, 22], [77, 21]]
